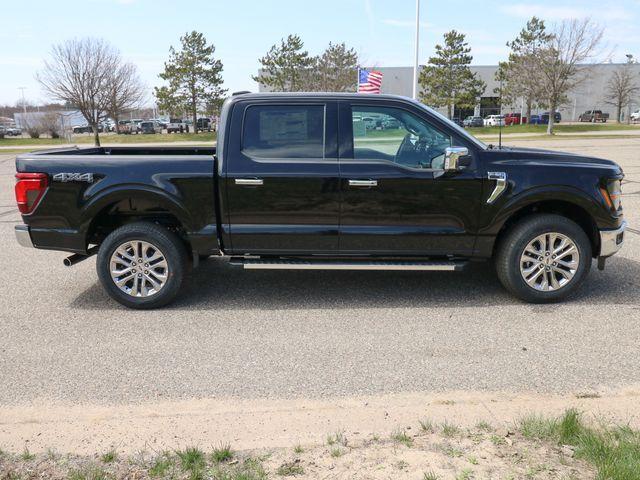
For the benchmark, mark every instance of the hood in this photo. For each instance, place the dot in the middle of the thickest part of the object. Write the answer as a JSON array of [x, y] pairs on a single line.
[[547, 158]]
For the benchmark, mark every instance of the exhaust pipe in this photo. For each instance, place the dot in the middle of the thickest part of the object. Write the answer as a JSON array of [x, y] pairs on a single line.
[[78, 257]]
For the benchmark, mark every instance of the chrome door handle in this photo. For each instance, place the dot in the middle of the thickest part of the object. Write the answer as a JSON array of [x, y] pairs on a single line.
[[252, 182], [363, 183]]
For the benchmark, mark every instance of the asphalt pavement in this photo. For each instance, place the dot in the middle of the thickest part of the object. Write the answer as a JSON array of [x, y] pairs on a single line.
[[298, 334]]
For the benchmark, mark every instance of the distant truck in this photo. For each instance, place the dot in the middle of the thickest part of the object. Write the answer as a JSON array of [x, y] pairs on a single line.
[[514, 119], [594, 116], [177, 125]]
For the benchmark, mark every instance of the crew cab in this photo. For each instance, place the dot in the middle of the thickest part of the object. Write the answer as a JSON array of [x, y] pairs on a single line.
[[594, 116], [297, 181]]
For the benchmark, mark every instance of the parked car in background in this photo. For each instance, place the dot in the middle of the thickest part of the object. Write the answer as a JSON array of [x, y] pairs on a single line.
[[472, 121], [3, 131], [176, 125], [535, 120], [87, 128], [514, 119], [635, 116], [13, 131], [557, 118], [594, 116], [391, 124], [203, 125], [150, 127], [494, 121], [163, 123]]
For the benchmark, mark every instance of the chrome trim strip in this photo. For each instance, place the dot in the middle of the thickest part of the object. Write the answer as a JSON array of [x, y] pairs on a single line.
[[255, 182], [23, 236], [501, 185], [608, 238], [264, 265], [363, 183]]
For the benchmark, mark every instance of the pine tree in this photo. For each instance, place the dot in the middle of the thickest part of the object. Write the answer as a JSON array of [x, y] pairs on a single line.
[[285, 67], [194, 77], [336, 70], [447, 80]]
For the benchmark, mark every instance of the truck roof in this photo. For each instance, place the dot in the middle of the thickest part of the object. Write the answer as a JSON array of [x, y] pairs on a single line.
[[324, 95]]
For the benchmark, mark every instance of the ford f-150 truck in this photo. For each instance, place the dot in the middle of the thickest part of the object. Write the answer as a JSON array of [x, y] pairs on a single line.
[[298, 181]]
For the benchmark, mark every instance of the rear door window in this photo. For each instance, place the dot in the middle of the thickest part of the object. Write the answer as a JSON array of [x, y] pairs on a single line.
[[284, 131]]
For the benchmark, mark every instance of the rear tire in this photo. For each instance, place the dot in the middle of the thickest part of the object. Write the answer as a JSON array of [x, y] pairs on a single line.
[[544, 258], [151, 283]]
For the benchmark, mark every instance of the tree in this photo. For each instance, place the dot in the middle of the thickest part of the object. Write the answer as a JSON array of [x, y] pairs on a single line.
[[194, 77], [559, 63], [336, 70], [79, 73], [285, 67], [519, 73], [621, 89], [125, 91], [447, 80]]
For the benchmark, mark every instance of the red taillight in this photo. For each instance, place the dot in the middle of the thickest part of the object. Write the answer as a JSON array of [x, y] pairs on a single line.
[[29, 190]]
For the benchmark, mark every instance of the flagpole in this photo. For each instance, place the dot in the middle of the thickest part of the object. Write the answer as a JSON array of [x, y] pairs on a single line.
[[417, 52]]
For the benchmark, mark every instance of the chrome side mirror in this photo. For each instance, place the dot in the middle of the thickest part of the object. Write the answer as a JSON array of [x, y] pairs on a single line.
[[452, 156]]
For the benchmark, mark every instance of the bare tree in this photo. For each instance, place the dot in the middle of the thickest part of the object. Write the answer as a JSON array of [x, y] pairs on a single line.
[[621, 90], [125, 92], [560, 62], [80, 73]]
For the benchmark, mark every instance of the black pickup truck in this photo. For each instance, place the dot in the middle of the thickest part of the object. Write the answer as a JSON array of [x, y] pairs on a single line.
[[323, 181]]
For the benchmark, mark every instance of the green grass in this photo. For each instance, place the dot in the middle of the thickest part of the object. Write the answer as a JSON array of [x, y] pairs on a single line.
[[90, 472], [430, 476], [336, 452], [205, 138], [26, 455], [558, 128], [400, 436], [223, 453], [615, 452], [109, 457], [161, 465], [426, 425], [298, 449], [191, 459], [337, 438], [450, 430], [290, 469], [484, 426]]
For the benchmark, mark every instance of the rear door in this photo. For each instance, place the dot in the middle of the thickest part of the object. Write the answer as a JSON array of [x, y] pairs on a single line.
[[282, 178], [396, 198]]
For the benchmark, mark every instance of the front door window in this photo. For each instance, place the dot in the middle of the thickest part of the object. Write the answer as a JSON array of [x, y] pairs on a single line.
[[396, 135]]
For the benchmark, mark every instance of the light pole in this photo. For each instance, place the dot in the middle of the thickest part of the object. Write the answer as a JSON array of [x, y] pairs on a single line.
[[24, 105], [417, 52]]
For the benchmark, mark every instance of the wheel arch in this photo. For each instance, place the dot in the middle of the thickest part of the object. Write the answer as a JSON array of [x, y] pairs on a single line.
[[124, 204], [577, 211]]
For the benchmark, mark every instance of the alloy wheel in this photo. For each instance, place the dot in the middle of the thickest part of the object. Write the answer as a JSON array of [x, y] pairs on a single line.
[[139, 268], [549, 262]]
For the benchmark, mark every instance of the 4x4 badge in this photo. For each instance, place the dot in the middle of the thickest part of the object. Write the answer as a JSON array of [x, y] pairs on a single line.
[[73, 177]]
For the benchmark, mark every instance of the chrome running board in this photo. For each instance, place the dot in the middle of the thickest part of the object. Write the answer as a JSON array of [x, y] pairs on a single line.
[[278, 264]]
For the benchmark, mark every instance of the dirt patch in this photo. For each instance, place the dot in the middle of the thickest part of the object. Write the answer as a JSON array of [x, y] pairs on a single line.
[[259, 424]]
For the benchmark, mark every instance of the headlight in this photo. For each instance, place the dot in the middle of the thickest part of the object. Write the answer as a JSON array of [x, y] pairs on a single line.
[[612, 194]]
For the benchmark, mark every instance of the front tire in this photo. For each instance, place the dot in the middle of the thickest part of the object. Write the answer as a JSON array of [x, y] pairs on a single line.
[[544, 258], [142, 265]]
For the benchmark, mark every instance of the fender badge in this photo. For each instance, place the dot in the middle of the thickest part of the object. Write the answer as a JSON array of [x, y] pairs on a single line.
[[73, 177]]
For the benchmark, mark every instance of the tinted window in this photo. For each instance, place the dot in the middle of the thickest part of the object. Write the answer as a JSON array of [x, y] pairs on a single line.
[[395, 135], [284, 131]]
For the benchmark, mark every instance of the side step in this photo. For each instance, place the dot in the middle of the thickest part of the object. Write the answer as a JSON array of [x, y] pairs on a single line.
[[279, 264]]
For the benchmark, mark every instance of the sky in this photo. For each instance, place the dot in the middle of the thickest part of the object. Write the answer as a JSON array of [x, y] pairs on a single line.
[[381, 31]]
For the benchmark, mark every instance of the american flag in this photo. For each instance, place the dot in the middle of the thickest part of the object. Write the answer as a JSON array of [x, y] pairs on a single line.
[[369, 82]]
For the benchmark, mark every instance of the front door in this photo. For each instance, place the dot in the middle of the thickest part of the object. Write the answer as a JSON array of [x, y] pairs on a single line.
[[282, 178], [397, 200]]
